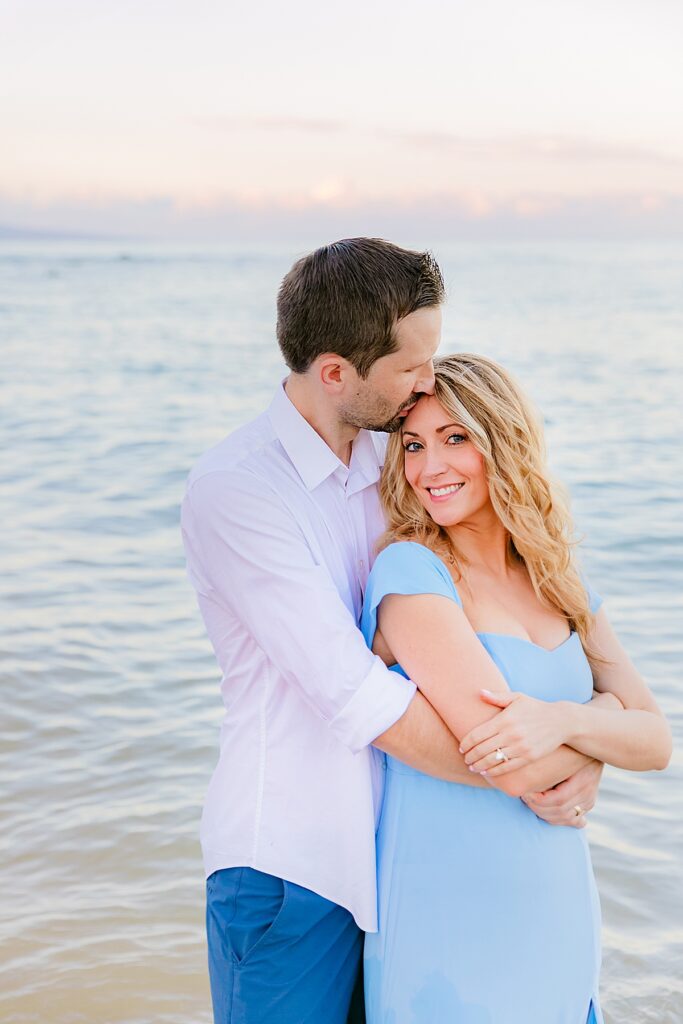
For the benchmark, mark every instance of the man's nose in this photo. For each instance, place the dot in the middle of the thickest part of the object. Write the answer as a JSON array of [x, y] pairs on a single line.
[[425, 384]]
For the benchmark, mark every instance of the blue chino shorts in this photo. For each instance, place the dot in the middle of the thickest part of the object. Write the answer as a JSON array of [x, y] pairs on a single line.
[[279, 953]]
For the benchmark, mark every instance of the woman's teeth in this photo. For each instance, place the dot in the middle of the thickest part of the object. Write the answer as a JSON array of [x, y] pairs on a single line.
[[441, 492]]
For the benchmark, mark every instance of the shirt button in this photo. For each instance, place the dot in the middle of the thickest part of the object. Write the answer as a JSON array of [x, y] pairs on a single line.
[[361, 563]]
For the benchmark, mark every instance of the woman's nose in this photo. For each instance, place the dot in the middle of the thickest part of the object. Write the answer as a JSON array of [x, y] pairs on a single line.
[[434, 464]]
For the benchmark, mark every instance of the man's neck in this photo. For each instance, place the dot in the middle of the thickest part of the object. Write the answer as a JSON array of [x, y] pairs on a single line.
[[319, 414]]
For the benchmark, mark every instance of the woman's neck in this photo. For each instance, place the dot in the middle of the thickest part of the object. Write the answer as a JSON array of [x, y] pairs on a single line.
[[483, 544]]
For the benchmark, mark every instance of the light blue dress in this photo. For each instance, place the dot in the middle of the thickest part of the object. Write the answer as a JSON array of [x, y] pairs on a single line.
[[487, 914]]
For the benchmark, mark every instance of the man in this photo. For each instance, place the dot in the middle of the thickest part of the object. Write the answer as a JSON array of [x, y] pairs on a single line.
[[280, 521]]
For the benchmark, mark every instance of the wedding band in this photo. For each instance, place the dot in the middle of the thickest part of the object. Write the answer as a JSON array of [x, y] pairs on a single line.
[[578, 811], [501, 755]]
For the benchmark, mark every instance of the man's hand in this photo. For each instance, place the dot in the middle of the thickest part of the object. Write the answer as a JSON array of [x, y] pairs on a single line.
[[559, 805]]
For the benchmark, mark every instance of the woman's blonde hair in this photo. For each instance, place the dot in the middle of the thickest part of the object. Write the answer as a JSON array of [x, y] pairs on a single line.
[[503, 426]]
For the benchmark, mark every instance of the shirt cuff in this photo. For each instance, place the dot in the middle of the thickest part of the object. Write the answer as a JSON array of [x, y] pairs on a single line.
[[379, 702]]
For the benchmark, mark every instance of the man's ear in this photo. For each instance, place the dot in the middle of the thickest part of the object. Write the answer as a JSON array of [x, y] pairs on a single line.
[[334, 372]]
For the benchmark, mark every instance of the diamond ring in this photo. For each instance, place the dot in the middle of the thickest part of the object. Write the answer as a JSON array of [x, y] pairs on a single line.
[[501, 755]]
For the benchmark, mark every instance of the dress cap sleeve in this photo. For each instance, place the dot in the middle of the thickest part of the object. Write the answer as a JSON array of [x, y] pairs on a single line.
[[404, 567], [594, 599]]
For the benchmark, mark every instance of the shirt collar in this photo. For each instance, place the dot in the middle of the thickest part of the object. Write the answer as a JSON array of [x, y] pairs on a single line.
[[367, 457], [312, 458]]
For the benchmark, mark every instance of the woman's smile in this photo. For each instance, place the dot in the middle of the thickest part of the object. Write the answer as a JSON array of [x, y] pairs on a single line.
[[444, 491], [440, 462]]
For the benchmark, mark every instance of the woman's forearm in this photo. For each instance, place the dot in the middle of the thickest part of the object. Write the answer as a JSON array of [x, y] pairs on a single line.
[[631, 738]]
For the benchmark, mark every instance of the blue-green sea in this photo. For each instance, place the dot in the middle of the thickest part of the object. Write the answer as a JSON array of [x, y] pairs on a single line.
[[120, 364]]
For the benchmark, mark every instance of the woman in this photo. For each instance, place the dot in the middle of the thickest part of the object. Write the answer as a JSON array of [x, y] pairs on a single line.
[[488, 915]]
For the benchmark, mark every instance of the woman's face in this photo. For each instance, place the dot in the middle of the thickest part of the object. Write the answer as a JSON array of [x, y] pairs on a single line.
[[442, 465]]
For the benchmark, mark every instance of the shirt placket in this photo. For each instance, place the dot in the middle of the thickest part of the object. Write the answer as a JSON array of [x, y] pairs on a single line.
[[361, 540], [359, 566]]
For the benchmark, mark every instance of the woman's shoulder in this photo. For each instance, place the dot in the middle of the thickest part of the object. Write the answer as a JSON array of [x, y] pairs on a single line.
[[408, 552], [594, 598], [414, 565]]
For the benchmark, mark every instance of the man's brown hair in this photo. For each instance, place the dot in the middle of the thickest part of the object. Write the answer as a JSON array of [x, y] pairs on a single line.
[[347, 297]]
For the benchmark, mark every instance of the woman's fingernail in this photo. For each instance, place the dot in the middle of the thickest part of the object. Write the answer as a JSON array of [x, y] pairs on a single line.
[[484, 772]]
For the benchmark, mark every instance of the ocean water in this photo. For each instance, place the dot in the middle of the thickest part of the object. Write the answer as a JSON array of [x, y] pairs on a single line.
[[120, 364]]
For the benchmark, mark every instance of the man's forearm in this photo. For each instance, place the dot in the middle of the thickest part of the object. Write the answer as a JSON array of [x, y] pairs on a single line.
[[421, 739], [543, 774]]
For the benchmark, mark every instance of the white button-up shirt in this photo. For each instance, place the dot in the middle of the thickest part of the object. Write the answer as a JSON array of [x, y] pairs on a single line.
[[279, 537]]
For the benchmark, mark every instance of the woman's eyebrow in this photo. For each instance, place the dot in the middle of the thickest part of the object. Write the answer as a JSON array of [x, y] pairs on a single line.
[[447, 426], [439, 430]]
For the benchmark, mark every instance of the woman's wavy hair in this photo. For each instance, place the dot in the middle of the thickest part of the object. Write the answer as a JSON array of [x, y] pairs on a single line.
[[504, 427]]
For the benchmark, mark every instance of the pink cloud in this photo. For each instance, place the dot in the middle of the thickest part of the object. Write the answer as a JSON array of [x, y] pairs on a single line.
[[561, 148], [308, 125], [438, 217]]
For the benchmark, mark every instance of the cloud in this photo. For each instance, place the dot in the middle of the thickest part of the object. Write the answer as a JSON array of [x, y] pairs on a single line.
[[444, 217], [560, 148], [547, 147], [306, 125]]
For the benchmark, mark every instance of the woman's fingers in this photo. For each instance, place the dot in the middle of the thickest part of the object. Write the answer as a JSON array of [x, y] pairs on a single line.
[[483, 749], [488, 729], [491, 764], [510, 740], [480, 734], [503, 768]]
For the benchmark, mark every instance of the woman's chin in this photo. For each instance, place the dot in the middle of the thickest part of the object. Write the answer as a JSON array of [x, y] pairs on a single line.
[[442, 517]]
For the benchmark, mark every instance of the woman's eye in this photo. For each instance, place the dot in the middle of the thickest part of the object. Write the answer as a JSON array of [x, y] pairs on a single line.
[[412, 446], [456, 438]]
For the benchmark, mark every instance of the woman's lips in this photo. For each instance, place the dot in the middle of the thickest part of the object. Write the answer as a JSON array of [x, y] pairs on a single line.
[[444, 492]]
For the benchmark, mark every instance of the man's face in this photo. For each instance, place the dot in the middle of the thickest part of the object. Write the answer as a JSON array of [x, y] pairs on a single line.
[[394, 383]]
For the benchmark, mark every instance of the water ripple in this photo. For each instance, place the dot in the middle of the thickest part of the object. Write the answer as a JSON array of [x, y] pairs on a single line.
[[120, 365]]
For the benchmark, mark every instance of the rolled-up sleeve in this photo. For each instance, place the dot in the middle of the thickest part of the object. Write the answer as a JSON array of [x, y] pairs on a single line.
[[245, 549]]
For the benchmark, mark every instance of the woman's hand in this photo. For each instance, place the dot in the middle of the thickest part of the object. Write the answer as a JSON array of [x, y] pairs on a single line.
[[525, 731]]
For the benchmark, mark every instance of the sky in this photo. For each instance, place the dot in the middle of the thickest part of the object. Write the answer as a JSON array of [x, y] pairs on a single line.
[[221, 120]]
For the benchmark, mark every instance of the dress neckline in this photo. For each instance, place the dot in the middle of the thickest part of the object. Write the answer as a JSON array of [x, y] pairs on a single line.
[[530, 643], [500, 636]]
